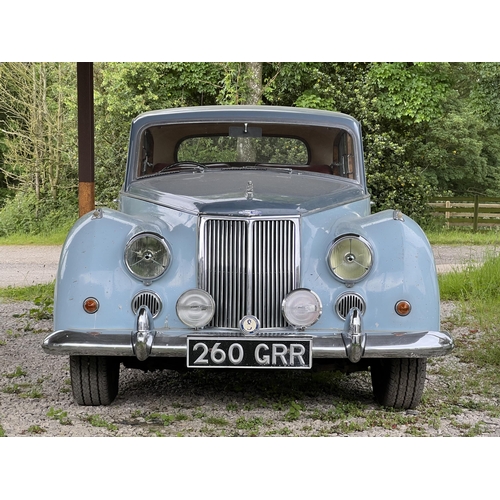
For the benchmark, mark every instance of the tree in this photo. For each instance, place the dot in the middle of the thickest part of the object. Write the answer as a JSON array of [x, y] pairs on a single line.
[[429, 128], [124, 90], [37, 125], [38, 120]]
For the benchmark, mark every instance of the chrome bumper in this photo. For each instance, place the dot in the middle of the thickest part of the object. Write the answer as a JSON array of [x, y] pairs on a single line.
[[173, 343], [352, 342]]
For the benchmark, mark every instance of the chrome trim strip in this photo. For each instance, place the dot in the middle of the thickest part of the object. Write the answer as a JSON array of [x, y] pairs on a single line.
[[118, 343]]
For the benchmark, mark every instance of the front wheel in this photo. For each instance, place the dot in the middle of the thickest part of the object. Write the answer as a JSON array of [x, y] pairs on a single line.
[[94, 379], [398, 383]]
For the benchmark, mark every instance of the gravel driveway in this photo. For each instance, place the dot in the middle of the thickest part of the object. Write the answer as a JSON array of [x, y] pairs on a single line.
[[36, 400], [28, 265]]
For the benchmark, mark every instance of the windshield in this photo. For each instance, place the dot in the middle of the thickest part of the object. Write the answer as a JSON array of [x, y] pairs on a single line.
[[269, 150], [200, 146]]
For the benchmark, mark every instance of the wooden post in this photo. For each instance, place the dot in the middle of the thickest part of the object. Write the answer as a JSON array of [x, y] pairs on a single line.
[[86, 185], [476, 211], [447, 214]]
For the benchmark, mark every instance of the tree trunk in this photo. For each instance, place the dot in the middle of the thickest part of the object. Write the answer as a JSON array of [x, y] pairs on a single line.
[[254, 83], [253, 96]]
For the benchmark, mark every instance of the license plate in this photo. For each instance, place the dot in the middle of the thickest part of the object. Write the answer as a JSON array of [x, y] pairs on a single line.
[[259, 352]]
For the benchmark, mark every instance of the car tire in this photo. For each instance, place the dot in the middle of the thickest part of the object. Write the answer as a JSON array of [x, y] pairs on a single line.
[[94, 379], [398, 383]]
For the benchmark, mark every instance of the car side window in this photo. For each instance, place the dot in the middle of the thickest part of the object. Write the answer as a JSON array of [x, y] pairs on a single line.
[[344, 165]]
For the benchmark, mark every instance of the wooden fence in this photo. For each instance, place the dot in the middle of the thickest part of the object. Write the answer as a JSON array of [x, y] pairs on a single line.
[[475, 211]]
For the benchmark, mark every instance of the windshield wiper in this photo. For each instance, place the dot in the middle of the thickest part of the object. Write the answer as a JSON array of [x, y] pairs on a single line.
[[260, 167], [182, 164]]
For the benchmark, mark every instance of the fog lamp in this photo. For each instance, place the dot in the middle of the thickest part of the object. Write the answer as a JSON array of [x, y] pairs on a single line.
[[302, 308], [195, 308]]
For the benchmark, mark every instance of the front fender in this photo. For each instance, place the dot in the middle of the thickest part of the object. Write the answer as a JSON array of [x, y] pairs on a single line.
[[92, 265], [403, 269]]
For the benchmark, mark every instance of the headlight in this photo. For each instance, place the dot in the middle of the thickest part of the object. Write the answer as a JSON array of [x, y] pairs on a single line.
[[195, 308], [147, 256], [350, 258]]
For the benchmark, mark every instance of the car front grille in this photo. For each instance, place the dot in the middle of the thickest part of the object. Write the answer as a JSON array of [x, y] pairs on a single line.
[[248, 265]]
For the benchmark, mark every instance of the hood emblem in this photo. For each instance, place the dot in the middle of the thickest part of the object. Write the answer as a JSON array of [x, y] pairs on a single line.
[[249, 191], [250, 213]]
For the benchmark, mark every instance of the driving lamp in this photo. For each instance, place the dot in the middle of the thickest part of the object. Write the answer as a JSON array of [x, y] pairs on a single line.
[[195, 308], [302, 308]]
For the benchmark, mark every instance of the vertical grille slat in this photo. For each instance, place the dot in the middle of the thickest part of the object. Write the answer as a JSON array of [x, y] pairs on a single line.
[[248, 266]]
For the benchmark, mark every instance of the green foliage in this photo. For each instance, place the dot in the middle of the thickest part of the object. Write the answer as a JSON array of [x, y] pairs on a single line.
[[393, 179], [55, 237], [36, 293], [59, 415], [400, 187], [279, 150], [18, 372], [462, 236], [477, 289], [429, 128], [460, 153], [98, 421], [36, 429], [410, 92], [26, 214], [474, 283]]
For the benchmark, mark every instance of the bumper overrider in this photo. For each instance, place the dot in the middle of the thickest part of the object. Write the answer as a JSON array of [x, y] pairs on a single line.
[[145, 341]]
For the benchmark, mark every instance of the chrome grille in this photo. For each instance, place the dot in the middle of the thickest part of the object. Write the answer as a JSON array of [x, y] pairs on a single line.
[[248, 266]]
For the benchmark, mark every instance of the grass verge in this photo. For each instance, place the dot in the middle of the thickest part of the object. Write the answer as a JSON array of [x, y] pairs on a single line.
[[55, 238], [463, 236], [477, 291], [34, 293]]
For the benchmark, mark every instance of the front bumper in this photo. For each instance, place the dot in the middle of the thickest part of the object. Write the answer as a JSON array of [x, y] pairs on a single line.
[[173, 344], [352, 342]]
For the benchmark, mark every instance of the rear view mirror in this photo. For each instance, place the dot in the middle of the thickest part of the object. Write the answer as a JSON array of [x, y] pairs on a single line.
[[245, 131]]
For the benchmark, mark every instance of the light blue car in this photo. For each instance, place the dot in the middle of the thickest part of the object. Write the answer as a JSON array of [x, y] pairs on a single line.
[[244, 240]]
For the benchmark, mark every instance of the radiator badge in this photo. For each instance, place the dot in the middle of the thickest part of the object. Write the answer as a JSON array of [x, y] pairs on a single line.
[[249, 324]]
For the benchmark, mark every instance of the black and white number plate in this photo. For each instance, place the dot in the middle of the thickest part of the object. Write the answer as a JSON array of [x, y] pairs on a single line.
[[254, 352]]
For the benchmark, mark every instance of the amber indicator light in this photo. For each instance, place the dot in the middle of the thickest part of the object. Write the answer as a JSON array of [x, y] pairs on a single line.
[[403, 308], [90, 305]]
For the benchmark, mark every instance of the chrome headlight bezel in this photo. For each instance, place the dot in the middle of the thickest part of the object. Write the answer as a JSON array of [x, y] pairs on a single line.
[[354, 253], [158, 251]]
